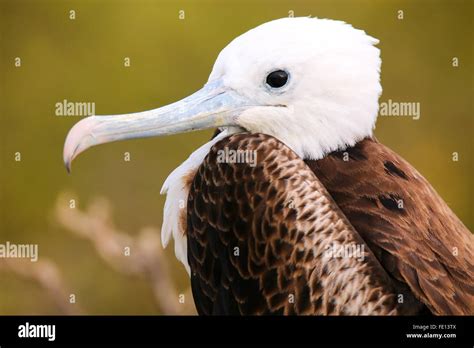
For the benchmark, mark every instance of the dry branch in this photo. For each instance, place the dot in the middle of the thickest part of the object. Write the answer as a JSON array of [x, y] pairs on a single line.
[[47, 275], [141, 256]]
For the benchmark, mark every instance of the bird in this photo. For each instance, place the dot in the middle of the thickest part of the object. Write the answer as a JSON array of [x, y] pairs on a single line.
[[294, 207]]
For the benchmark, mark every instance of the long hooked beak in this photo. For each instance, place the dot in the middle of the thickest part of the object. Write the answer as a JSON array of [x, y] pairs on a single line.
[[212, 106]]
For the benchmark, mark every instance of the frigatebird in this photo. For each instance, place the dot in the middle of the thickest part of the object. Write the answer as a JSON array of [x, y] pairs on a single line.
[[325, 219]]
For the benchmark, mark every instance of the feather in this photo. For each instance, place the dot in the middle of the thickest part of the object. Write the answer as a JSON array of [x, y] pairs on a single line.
[[418, 240], [270, 255]]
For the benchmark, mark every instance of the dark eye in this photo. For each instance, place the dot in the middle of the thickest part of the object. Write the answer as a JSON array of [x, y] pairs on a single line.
[[277, 78]]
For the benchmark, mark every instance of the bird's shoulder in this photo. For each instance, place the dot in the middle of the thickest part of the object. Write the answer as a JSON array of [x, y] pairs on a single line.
[[408, 226]]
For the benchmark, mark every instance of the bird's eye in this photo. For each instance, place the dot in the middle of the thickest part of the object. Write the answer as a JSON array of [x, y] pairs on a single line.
[[277, 79]]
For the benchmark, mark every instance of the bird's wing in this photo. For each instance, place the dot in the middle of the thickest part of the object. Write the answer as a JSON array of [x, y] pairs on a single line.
[[265, 237], [416, 237]]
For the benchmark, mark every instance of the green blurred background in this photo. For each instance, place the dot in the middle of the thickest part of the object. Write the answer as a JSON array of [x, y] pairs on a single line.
[[83, 60]]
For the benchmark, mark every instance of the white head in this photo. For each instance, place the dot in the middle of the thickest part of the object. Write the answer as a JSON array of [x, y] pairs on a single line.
[[328, 101], [331, 97]]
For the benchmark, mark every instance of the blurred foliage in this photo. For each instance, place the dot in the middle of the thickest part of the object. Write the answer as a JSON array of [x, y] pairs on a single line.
[[82, 60]]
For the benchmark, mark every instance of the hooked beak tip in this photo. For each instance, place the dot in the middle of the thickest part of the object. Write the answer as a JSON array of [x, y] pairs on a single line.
[[78, 139], [67, 164], [67, 160]]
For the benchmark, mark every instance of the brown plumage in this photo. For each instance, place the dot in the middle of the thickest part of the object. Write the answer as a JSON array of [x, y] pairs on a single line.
[[407, 225], [258, 237]]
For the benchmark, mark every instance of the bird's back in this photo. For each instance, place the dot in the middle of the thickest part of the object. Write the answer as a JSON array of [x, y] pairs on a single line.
[[416, 237]]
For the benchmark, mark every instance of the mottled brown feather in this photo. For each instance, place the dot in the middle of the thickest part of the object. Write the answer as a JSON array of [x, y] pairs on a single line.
[[281, 219], [421, 242]]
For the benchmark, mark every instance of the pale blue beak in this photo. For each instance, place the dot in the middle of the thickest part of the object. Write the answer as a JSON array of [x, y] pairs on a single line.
[[212, 106]]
